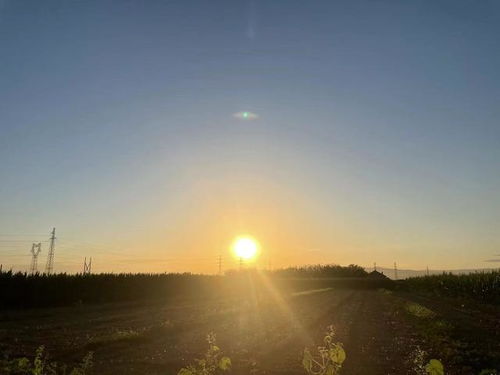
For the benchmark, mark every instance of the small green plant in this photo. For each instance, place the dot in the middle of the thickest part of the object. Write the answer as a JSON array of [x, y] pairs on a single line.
[[331, 356], [213, 363], [434, 367], [41, 366], [419, 311]]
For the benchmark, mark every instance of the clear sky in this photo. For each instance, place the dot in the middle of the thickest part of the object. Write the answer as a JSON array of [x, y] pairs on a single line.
[[377, 137]]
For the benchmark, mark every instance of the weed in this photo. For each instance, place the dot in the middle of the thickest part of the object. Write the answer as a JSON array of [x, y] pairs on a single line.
[[419, 311], [433, 367], [41, 366], [331, 357], [213, 363]]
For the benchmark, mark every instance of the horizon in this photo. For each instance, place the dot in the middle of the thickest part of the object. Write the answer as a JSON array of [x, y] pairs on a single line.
[[253, 266], [151, 136]]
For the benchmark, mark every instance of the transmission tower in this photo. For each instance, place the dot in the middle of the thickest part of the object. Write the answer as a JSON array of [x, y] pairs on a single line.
[[36, 248], [395, 271], [50, 257], [87, 267]]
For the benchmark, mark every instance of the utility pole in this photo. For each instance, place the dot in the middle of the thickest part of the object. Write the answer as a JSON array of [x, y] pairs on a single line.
[[50, 257], [87, 268], [395, 271], [36, 248]]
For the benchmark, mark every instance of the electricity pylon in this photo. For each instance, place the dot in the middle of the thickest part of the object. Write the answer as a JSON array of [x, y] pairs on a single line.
[[87, 267], [50, 257], [36, 248]]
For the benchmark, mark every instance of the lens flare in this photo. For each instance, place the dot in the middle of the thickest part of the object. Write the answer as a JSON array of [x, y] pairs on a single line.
[[245, 115]]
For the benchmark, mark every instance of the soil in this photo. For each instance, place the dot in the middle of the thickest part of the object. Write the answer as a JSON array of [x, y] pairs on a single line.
[[261, 336]]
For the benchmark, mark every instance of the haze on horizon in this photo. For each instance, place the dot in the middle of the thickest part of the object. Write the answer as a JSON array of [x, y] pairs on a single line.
[[152, 134]]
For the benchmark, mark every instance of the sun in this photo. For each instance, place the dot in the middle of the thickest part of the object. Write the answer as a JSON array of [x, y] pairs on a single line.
[[245, 247]]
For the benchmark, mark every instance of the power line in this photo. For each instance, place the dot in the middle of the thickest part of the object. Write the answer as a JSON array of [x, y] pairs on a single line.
[[15, 240]]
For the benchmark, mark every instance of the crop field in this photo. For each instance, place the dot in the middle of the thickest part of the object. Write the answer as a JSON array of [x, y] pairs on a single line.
[[382, 331]]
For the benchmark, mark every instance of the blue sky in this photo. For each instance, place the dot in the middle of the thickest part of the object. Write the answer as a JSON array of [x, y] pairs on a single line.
[[378, 137]]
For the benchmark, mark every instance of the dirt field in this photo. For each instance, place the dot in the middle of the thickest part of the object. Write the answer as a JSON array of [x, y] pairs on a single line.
[[382, 333]]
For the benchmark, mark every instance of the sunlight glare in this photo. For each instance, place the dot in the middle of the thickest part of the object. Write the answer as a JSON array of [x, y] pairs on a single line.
[[245, 247]]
